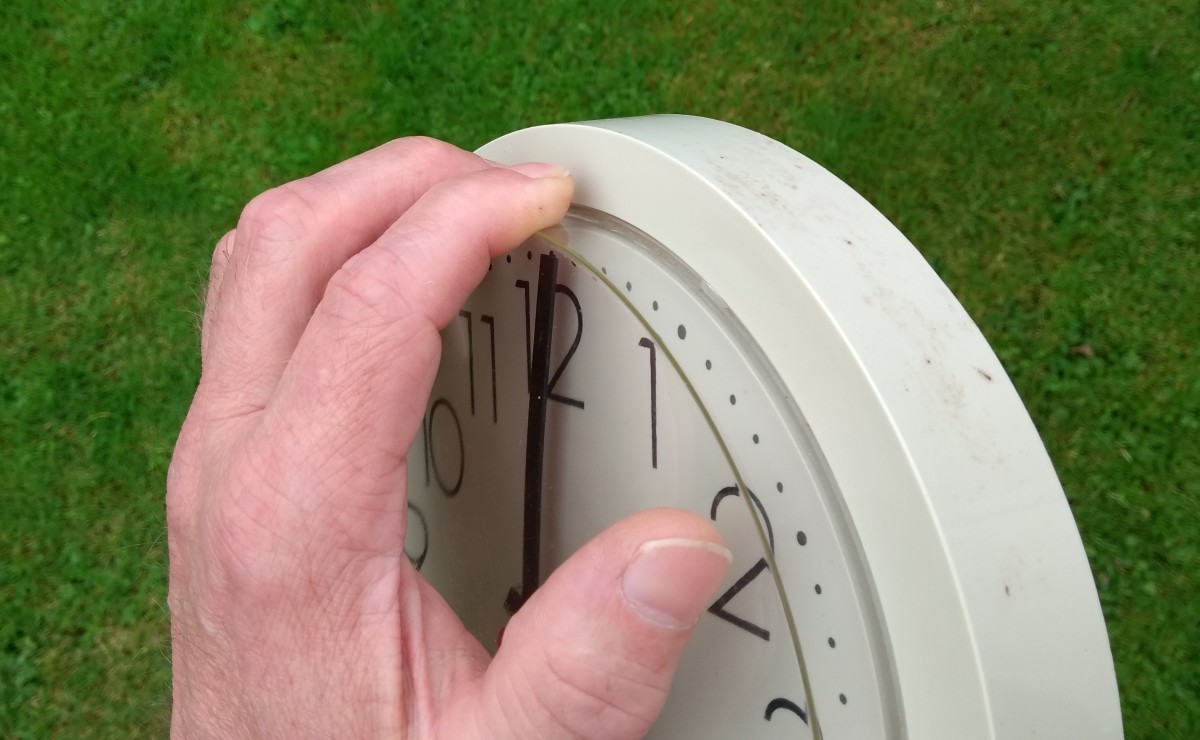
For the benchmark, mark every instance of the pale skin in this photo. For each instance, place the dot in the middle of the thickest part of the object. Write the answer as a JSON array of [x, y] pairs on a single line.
[[294, 611]]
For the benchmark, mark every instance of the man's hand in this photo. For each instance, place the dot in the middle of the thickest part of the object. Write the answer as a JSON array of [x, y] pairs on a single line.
[[294, 610]]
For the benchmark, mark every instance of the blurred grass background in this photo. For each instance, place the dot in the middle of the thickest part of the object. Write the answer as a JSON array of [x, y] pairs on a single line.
[[1043, 156]]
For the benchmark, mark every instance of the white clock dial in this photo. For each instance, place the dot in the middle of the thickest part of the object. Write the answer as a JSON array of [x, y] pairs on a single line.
[[735, 332], [625, 433]]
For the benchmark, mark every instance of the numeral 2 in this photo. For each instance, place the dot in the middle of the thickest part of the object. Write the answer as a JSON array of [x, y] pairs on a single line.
[[718, 606], [787, 704]]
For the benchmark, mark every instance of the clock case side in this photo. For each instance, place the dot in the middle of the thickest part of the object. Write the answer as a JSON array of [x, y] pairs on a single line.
[[990, 614]]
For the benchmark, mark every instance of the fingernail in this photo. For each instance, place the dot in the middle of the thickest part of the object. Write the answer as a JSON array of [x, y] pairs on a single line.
[[669, 582], [539, 170]]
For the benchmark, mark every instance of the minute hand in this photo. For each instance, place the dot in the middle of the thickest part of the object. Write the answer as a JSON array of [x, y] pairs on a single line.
[[535, 443]]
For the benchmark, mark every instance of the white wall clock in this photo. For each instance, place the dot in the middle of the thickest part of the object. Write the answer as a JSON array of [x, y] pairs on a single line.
[[719, 324]]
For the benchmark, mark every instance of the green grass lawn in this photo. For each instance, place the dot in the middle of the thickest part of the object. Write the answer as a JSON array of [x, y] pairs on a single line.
[[1043, 157]]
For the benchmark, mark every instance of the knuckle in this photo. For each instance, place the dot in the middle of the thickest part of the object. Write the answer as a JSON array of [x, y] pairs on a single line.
[[279, 216], [377, 287], [216, 276], [422, 150], [601, 690], [244, 530], [180, 494], [186, 476], [220, 255], [358, 294], [377, 325]]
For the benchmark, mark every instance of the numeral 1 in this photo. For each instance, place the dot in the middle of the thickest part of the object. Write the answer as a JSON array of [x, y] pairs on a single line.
[[645, 342]]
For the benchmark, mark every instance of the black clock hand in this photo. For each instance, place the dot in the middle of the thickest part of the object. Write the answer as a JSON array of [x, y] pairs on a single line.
[[535, 442]]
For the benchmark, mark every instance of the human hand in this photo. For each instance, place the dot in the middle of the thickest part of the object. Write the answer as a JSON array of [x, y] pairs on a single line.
[[294, 611]]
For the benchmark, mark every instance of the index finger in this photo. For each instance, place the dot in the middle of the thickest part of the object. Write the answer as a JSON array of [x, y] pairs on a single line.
[[288, 243]]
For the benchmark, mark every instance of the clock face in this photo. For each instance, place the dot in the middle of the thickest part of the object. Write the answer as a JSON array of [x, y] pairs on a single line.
[[721, 325], [657, 397]]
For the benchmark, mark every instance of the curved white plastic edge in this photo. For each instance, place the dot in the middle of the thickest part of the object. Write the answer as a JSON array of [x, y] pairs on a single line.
[[990, 611]]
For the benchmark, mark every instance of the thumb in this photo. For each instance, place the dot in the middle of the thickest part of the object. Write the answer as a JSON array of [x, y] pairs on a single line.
[[593, 652]]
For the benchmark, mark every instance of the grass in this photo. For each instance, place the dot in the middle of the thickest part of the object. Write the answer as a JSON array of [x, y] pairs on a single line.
[[1043, 157]]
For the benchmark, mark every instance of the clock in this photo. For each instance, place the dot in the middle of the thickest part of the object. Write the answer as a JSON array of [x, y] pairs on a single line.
[[720, 325]]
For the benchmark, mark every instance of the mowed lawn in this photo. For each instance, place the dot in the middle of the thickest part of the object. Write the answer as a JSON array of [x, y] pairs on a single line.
[[1043, 157]]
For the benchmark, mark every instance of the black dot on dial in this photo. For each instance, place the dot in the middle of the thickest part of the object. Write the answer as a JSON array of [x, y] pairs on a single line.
[[654, 305], [732, 399], [802, 538], [832, 642], [708, 364], [779, 487], [755, 439], [682, 331], [628, 286], [842, 698], [604, 270], [508, 258], [529, 255], [817, 588]]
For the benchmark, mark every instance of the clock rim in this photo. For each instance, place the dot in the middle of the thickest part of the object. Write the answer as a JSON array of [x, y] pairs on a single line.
[[1018, 645]]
